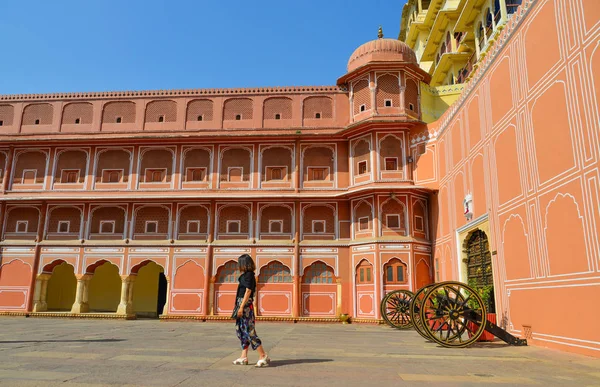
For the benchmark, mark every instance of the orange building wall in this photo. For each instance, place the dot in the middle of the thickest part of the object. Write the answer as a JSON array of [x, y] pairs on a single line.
[[523, 140]]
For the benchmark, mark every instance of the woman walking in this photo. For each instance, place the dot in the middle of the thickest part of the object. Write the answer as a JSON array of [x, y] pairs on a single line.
[[243, 312]]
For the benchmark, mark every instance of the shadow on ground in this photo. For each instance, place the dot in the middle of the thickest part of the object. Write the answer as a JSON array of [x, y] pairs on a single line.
[[62, 341], [281, 363]]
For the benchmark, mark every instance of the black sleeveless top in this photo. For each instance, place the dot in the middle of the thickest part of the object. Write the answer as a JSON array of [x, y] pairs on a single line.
[[246, 281]]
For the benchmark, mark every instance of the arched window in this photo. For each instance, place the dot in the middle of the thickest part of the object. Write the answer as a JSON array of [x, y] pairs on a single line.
[[489, 24], [394, 272], [481, 35], [512, 6], [275, 272], [364, 273], [229, 273], [318, 273]]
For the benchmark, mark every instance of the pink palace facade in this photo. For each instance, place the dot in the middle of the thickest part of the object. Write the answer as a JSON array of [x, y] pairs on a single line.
[[119, 204]]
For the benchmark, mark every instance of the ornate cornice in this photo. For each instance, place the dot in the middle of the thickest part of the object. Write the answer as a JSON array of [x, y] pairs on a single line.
[[174, 93]]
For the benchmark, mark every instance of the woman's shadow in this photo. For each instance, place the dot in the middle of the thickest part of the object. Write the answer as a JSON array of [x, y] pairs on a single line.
[[281, 363]]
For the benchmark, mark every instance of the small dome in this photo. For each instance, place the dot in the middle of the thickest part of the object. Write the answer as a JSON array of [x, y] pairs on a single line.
[[381, 50]]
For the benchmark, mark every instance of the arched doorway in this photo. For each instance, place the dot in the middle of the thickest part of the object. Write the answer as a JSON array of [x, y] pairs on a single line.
[[149, 290], [62, 286], [104, 288], [479, 267], [319, 290]]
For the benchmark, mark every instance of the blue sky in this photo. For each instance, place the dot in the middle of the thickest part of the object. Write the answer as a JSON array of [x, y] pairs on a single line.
[[84, 45]]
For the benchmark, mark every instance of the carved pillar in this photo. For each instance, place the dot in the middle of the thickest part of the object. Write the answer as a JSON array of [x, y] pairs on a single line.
[[296, 293], [211, 297], [81, 305], [41, 293], [126, 303], [338, 311], [166, 307]]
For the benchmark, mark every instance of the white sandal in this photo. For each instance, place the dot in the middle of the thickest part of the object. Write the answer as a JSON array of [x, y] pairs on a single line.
[[264, 362], [241, 361]]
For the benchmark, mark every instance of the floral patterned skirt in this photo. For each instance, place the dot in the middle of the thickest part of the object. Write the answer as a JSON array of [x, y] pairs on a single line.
[[244, 327]]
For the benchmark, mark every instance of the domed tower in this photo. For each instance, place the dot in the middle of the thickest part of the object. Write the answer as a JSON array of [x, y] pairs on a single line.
[[383, 81]]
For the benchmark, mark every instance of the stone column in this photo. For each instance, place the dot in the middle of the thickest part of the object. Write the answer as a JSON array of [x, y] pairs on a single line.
[[166, 307], [40, 294], [81, 305], [126, 303], [211, 297], [338, 311]]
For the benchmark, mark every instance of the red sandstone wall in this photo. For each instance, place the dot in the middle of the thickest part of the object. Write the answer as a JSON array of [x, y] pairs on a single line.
[[524, 141]]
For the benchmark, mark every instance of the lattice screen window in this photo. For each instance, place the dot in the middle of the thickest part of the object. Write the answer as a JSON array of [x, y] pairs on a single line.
[[277, 108], [38, 114], [238, 109], [6, 115], [229, 273], [362, 96], [200, 110], [119, 112], [318, 107], [161, 111], [318, 273], [78, 113], [388, 91], [275, 272]]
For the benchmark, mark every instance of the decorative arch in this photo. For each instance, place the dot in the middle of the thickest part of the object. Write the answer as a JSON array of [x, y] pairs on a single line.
[[234, 107], [50, 221], [274, 107], [91, 222], [163, 109], [165, 229], [75, 113], [246, 165], [135, 269], [82, 164], [189, 278], [403, 215], [181, 218], [38, 114], [356, 216], [330, 275], [40, 166], [361, 96], [91, 268], [227, 272], [126, 164], [274, 269], [10, 224], [7, 113], [388, 90], [317, 107], [200, 110], [395, 272], [49, 267], [122, 112], [290, 225]]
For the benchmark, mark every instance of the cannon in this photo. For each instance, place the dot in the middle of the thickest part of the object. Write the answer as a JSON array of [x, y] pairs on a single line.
[[448, 313]]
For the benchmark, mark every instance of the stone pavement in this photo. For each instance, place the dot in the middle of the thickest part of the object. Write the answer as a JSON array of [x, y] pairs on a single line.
[[53, 352]]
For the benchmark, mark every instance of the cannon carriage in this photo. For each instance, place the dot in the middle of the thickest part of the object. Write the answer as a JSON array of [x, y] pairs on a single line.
[[450, 313]]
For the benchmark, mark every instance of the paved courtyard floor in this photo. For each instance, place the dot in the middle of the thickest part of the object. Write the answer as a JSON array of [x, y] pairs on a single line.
[[60, 352]]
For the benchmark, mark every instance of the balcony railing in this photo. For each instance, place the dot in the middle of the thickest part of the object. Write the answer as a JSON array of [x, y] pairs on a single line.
[[463, 73], [512, 6]]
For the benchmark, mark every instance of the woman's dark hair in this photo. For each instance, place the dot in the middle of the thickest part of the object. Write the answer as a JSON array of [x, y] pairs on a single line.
[[246, 263]]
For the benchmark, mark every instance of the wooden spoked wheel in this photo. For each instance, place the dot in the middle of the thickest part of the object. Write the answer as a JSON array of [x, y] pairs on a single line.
[[395, 309], [453, 313], [415, 308]]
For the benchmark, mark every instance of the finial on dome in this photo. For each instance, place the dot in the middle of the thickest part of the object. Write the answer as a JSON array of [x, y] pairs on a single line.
[[380, 33]]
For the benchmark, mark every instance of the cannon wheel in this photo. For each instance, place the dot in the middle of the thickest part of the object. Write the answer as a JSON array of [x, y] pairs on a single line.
[[395, 309], [415, 307], [452, 313]]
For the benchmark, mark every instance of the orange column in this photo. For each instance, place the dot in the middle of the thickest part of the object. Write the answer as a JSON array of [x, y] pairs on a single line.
[[208, 262], [8, 173], [36, 258], [296, 294]]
